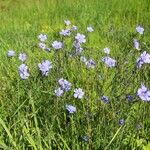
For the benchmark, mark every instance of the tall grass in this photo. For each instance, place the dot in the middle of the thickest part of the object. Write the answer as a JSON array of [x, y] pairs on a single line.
[[32, 117]]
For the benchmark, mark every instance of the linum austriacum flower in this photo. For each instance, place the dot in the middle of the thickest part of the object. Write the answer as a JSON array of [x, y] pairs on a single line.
[[22, 57], [11, 53], [143, 59], [65, 32], [70, 108], [65, 85], [57, 45], [45, 67], [23, 71], [42, 37], [144, 93], [136, 44], [140, 30], [59, 92], [106, 50], [109, 61], [80, 38], [78, 93]]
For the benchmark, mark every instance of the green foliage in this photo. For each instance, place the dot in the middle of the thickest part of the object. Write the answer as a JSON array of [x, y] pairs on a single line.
[[32, 117]]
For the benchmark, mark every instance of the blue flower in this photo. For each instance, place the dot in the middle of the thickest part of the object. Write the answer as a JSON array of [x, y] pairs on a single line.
[[42, 45], [121, 121], [65, 32], [65, 85], [59, 92], [144, 93], [80, 38], [67, 22], [109, 61], [45, 67], [57, 45], [23, 71], [140, 30], [106, 50], [90, 63], [136, 44], [11, 53], [105, 99], [42, 37], [22, 57], [78, 93], [70, 108]]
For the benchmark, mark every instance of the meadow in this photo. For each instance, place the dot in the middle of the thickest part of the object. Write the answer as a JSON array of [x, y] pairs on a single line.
[[86, 87]]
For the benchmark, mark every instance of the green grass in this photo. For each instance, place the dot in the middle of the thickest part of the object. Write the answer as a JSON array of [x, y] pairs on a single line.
[[32, 117]]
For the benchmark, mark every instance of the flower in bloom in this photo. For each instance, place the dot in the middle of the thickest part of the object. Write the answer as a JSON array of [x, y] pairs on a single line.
[[121, 121], [78, 93], [67, 22], [144, 58], [11, 53], [42, 37], [106, 50], [105, 99], [78, 47], [65, 32], [22, 57], [90, 63], [144, 93], [140, 30], [83, 59], [23, 71], [109, 61], [90, 29], [65, 85], [80, 38], [57, 45], [42, 45], [45, 67], [71, 109], [136, 44], [59, 92]]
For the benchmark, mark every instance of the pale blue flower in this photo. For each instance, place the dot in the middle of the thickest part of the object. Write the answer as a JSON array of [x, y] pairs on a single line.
[[83, 59], [136, 44], [11, 53], [80, 38], [90, 63], [140, 30], [45, 67], [65, 32], [144, 58], [23, 71], [42, 45], [78, 93], [65, 85], [70, 108], [22, 57], [57, 45], [78, 47], [121, 121], [106, 50], [144, 93], [109, 61], [42, 37], [59, 92]]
